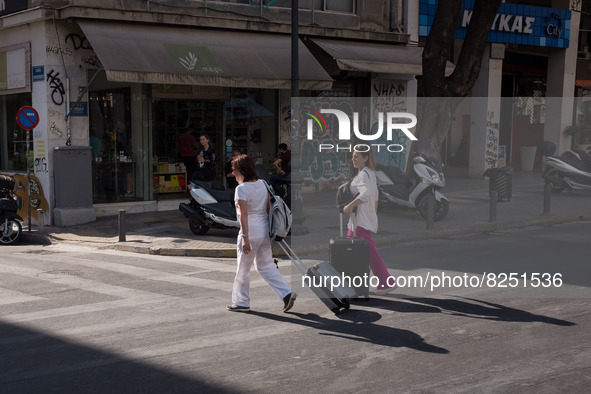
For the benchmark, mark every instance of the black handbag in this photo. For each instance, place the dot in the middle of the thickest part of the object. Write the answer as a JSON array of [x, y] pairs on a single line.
[[344, 196]]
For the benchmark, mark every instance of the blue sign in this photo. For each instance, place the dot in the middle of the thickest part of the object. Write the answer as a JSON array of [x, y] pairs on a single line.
[[38, 73], [79, 109], [514, 24], [27, 118]]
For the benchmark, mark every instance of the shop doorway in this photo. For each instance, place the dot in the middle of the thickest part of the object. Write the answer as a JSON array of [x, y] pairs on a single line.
[[113, 160]]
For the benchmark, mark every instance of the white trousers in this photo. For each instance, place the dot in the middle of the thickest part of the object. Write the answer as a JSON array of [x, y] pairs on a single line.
[[261, 256]]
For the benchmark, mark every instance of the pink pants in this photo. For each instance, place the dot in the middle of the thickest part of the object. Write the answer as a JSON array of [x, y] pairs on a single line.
[[376, 262]]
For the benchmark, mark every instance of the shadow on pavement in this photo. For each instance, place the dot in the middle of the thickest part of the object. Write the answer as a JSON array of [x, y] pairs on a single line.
[[358, 325], [35, 362], [473, 308]]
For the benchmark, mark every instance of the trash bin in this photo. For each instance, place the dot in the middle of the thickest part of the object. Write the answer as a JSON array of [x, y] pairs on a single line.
[[500, 180]]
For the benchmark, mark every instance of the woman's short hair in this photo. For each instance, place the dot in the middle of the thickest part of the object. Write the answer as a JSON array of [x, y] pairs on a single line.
[[246, 166], [371, 162]]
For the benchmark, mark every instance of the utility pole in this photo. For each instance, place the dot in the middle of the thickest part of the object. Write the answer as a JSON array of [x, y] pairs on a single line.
[[297, 227]]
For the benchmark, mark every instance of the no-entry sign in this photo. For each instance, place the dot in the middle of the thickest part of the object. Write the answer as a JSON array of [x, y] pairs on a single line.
[[27, 118]]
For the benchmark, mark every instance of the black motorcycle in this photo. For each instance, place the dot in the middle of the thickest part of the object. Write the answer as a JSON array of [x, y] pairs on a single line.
[[10, 221], [210, 206]]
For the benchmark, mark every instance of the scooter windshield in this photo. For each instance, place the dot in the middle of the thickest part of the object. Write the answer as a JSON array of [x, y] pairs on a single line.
[[427, 148]]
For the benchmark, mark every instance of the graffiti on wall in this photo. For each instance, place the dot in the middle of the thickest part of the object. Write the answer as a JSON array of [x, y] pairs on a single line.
[[492, 141], [389, 96], [323, 166], [56, 87], [38, 199], [40, 162]]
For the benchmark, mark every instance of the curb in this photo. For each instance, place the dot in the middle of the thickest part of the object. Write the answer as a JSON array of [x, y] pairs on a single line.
[[545, 220]]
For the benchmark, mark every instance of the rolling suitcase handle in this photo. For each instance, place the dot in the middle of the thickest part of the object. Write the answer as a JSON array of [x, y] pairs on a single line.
[[354, 226], [292, 256]]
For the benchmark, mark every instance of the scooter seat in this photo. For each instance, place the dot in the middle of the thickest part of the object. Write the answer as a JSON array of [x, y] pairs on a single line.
[[221, 195], [401, 180]]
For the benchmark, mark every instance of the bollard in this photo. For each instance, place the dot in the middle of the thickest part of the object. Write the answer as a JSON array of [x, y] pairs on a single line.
[[122, 225], [547, 189], [430, 210], [492, 212], [40, 221]]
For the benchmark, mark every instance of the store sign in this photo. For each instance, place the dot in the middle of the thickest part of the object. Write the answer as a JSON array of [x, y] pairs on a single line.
[[12, 69], [11, 6], [514, 24], [193, 59]]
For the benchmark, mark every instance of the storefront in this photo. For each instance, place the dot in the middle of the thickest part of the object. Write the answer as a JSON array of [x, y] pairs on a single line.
[[126, 91], [530, 57]]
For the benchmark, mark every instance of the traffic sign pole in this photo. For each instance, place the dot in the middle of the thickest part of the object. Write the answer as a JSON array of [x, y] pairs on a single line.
[[28, 118], [29, 177]]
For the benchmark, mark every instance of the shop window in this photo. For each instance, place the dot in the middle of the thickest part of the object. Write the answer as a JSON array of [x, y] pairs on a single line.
[[13, 150], [114, 169], [170, 119]]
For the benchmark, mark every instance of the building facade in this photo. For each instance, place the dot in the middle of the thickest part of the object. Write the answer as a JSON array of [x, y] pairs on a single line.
[[126, 78], [122, 79]]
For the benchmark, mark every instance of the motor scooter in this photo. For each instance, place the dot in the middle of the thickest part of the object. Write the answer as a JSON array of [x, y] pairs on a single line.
[[413, 191], [210, 206], [569, 171], [10, 221]]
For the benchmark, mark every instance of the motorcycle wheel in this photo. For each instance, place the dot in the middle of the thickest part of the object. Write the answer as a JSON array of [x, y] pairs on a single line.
[[554, 188], [198, 228], [10, 231], [441, 208]]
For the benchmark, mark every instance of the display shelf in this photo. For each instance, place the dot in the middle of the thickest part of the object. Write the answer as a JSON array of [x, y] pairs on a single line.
[[169, 178]]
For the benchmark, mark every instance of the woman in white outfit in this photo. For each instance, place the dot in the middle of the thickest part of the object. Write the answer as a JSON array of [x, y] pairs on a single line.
[[254, 244], [366, 219]]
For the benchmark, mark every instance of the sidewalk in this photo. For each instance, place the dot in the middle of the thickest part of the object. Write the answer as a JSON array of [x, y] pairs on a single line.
[[167, 232]]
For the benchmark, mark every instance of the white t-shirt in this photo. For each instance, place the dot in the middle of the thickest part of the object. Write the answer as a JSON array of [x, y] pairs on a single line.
[[256, 196], [366, 185]]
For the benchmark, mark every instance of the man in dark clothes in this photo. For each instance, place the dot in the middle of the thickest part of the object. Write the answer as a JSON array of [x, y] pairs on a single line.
[[283, 165]]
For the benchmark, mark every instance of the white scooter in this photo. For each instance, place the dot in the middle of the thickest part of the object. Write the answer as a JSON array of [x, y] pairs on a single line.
[[210, 206], [569, 171], [413, 191]]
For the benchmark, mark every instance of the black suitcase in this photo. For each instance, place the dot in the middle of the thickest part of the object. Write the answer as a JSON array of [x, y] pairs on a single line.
[[351, 257], [335, 299]]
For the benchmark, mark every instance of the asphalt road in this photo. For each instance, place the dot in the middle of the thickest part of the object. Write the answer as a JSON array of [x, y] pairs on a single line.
[[76, 319]]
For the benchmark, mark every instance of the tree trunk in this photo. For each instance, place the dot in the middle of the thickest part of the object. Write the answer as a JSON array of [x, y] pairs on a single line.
[[435, 122]]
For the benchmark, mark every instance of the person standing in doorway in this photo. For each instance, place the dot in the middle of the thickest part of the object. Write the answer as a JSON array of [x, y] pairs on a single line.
[[206, 159], [187, 145], [365, 221], [254, 243]]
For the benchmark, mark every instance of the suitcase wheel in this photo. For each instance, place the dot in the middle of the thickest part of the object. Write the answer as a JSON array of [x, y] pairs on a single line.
[[336, 311], [347, 304]]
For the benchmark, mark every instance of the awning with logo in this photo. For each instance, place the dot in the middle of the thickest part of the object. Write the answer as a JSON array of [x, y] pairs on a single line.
[[376, 58], [175, 55]]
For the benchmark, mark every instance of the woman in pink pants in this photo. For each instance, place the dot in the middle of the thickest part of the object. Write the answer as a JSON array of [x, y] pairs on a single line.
[[366, 219]]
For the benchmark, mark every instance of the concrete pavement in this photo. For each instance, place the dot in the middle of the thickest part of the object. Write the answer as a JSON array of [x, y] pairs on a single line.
[[167, 232]]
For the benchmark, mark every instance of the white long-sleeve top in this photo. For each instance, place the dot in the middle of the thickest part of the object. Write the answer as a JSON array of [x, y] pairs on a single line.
[[366, 185]]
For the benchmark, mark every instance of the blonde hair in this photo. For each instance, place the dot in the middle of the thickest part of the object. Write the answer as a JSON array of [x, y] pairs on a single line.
[[371, 161]]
